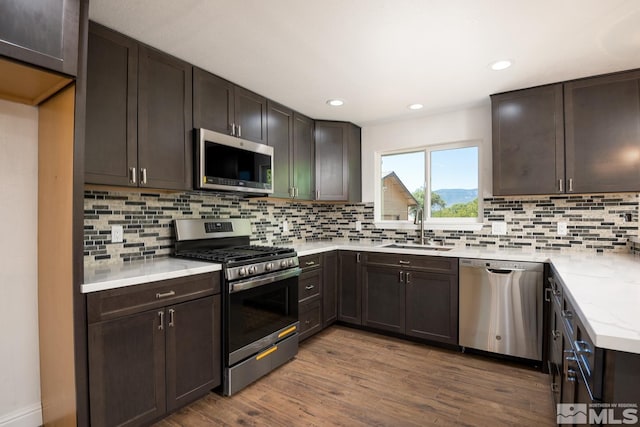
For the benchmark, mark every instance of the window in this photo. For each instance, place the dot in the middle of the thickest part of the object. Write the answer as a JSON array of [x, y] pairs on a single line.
[[449, 172]]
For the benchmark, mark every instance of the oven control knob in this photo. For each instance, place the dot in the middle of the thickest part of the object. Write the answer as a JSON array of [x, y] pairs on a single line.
[[242, 271], [268, 266], [252, 270], [290, 262], [283, 264]]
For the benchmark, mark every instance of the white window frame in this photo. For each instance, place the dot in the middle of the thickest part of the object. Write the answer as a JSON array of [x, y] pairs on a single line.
[[430, 222]]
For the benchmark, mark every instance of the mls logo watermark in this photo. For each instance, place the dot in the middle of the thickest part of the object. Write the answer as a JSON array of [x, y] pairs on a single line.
[[571, 413], [597, 413]]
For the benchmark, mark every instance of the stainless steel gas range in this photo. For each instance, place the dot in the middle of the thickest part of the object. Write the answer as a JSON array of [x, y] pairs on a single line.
[[260, 296]]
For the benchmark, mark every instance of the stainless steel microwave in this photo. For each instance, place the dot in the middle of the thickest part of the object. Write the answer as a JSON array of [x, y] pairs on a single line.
[[227, 163]]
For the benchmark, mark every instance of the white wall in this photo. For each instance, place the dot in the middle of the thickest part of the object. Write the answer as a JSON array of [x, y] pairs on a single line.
[[19, 359], [463, 125]]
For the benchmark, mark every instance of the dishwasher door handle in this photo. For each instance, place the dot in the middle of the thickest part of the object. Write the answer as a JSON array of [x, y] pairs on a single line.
[[503, 270]]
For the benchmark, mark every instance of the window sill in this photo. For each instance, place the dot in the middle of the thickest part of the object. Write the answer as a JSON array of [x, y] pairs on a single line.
[[447, 226]]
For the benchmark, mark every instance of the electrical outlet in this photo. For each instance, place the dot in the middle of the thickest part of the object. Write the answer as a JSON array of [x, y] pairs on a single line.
[[358, 225], [285, 226], [117, 234], [499, 228], [562, 228]]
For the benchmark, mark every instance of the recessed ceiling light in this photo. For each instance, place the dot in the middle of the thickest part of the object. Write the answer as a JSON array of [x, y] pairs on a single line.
[[415, 107], [500, 65], [335, 102]]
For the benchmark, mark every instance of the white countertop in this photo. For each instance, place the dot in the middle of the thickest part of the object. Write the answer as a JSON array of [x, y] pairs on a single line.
[[103, 277], [604, 288]]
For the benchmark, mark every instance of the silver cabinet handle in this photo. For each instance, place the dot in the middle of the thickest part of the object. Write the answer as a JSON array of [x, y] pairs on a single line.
[[567, 314], [358, 257], [309, 287], [556, 334], [291, 192], [233, 129], [161, 317], [171, 317], [310, 263], [317, 194], [408, 278], [295, 192], [547, 294], [582, 347], [401, 277], [401, 262], [239, 131], [165, 294], [570, 185], [554, 388], [560, 188], [143, 175], [132, 175]]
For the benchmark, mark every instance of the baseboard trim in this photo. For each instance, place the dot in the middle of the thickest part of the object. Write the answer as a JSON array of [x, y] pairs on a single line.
[[29, 416]]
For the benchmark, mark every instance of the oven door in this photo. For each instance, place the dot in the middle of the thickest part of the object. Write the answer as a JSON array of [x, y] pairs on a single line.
[[259, 312]]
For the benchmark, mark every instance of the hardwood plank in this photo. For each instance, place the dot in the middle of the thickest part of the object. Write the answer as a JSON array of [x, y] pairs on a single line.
[[347, 377]]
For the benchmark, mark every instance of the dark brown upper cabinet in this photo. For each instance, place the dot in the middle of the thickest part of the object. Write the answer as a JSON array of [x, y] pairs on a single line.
[[291, 136], [581, 136], [602, 133], [221, 106], [528, 141], [43, 33], [138, 114], [338, 163]]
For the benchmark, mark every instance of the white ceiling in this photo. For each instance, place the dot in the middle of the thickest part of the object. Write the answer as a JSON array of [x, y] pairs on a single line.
[[382, 55]]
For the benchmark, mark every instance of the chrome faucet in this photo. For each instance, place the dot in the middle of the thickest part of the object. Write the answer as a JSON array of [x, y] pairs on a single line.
[[420, 213]]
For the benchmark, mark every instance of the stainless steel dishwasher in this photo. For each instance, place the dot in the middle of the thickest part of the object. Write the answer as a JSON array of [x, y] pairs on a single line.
[[501, 307]]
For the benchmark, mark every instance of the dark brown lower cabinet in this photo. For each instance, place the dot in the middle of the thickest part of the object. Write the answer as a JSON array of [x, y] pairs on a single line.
[[146, 362], [400, 294], [310, 318], [349, 288], [330, 288], [127, 370], [432, 306], [383, 305]]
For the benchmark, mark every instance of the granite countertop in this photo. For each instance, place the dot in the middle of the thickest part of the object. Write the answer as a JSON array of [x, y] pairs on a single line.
[[603, 288]]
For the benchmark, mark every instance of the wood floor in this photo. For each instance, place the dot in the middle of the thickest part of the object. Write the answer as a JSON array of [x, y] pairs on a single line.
[[347, 377]]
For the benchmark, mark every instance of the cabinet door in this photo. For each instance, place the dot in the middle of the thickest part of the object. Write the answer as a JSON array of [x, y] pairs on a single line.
[[310, 318], [303, 157], [43, 33], [332, 151], [329, 288], [349, 288], [212, 102], [164, 121], [127, 369], [602, 117], [528, 141], [383, 298], [432, 306], [111, 143], [250, 111], [354, 164], [555, 352], [280, 137], [193, 350]]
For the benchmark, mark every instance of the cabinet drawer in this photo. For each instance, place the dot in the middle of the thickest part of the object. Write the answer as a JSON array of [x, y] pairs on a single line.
[[433, 263], [119, 302], [309, 284], [310, 318], [310, 261]]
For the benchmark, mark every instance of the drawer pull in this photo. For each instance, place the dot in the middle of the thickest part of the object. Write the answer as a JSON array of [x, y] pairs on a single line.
[[408, 278], [172, 313], [401, 262], [309, 287], [161, 317], [309, 263], [266, 353], [165, 294]]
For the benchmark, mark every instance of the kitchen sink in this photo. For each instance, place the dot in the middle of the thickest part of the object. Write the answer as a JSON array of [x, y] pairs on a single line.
[[420, 247]]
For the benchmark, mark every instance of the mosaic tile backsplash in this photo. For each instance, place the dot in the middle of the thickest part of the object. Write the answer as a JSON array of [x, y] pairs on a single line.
[[598, 223]]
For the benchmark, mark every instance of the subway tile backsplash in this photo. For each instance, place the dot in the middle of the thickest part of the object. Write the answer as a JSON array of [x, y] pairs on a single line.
[[598, 223]]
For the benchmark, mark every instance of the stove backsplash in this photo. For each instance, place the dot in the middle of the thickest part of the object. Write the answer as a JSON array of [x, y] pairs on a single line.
[[596, 222]]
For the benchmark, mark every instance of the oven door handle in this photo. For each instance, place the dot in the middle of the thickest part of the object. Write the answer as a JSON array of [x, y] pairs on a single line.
[[254, 282]]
